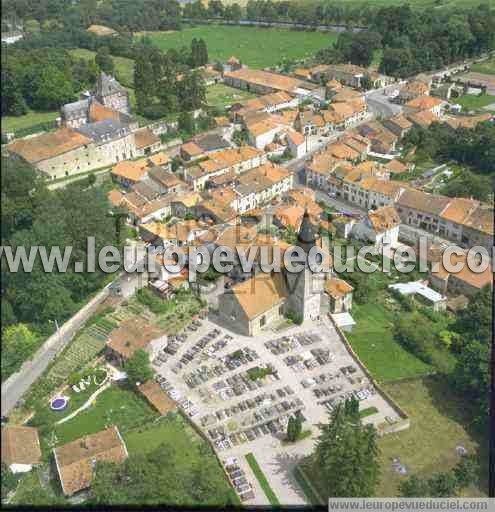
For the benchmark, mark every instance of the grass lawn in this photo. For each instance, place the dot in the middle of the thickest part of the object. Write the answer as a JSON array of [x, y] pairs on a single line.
[[373, 342], [487, 67], [256, 47], [260, 476], [116, 406], [13, 123], [172, 429], [470, 102], [220, 96], [124, 68], [440, 421]]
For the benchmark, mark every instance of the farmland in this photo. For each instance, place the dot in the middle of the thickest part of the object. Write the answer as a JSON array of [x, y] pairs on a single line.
[[256, 47]]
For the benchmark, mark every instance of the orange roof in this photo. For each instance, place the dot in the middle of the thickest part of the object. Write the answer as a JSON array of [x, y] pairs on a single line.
[[295, 137], [115, 197], [75, 461], [20, 445], [132, 170], [48, 145], [290, 216], [337, 287], [334, 84], [423, 118], [396, 166], [459, 209], [98, 112], [384, 218], [157, 397], [159, 159], [481, 219], [258, 128], [222, 121], [132, 334], [145, 138], [233, 60], [191, 148], [466, 275], [224, 196], [342, 151], [260, 293], [424, 103], [468, 121], [268, 79]]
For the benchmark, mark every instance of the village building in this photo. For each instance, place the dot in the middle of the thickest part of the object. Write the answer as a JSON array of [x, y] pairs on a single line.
[[379, 228], [268, 103], [413, 90], [435, 105], [179, 234], [264, 299], [21, 448], [102, 31], [339, 293], [266, 82], [398, 124], [75, 461]]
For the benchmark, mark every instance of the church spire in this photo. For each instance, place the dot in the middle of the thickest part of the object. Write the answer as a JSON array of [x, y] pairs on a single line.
[[306, 237]]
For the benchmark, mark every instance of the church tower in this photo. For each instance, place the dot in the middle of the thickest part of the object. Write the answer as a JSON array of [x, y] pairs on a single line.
[[305, 287]]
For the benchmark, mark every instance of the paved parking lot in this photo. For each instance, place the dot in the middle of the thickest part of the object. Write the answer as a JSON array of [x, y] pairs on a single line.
[[210, 373]]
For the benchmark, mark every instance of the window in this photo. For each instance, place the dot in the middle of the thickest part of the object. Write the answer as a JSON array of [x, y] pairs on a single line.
[[262, 321]]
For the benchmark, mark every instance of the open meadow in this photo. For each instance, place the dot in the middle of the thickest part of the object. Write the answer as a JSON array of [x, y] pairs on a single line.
[[256, 47]]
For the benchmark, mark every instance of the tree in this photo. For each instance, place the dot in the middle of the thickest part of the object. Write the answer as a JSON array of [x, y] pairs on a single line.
[[186, 122], [9, 480], [414, 487], [294, 428], [104, 60], [138, 367], [52, 89], [18, 343], [346, 454], [466, 471]]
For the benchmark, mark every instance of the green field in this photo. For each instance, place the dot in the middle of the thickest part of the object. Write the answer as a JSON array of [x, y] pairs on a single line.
[[440, 421], [13, 123], [470, 102], [124, 68], [172, 429], [256, 47], [373, 342], [221, 96]]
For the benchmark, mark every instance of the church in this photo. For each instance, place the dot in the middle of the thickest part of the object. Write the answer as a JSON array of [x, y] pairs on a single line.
[[264, 299]]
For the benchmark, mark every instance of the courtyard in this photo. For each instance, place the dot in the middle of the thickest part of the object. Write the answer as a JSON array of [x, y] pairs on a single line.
[[240, 391]]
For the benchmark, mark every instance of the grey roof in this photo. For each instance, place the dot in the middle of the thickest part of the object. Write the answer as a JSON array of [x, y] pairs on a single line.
[[107, 84], [306, 237], [102, 131], [211, 141], [75, 109]]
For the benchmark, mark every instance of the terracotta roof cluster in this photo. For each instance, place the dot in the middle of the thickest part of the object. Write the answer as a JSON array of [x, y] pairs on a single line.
[[76, 460], [423, 118], [262, 102], [260, 178]]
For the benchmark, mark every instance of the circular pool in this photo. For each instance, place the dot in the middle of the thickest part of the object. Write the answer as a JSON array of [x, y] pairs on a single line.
[[59, 403]]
